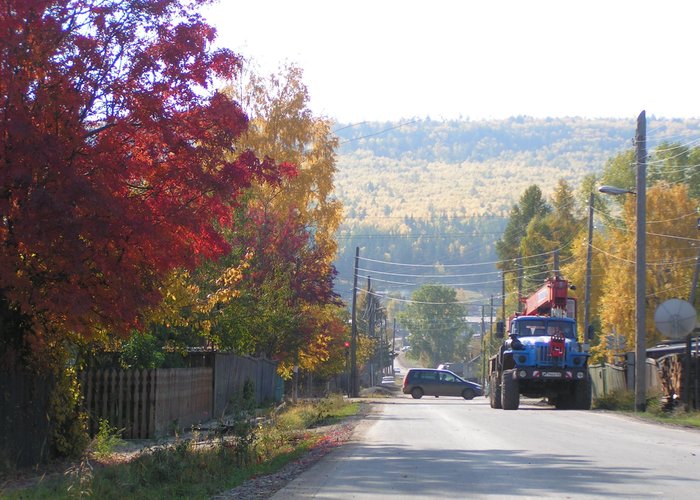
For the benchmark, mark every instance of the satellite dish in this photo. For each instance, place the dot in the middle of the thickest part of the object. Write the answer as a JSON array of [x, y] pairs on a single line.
[[675, 318]]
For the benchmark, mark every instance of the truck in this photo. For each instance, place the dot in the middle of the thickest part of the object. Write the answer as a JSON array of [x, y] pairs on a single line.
[[541, 355]]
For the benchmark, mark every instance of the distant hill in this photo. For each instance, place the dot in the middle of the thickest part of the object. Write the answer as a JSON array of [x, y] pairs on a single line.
[[406, 185]]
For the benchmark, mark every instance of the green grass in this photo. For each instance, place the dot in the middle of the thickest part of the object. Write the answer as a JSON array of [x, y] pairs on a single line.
[[190, 470]]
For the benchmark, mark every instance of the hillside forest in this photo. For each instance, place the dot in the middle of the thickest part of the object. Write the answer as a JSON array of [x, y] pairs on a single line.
[[455, 204]]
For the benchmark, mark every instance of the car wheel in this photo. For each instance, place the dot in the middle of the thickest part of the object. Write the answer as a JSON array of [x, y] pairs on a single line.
[[417, 393], [468, 394]]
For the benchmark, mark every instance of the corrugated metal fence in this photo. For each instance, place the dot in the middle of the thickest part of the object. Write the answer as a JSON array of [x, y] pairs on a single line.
[[610, 378]]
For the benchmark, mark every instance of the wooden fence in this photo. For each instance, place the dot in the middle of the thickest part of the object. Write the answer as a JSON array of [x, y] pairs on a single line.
[[147, 403], [230, 374], [154, 403]]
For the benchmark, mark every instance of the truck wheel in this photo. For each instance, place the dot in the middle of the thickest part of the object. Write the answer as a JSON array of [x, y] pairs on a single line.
[[510, 394], [583, 394], [417, 393], [495, 392], [468, 394]]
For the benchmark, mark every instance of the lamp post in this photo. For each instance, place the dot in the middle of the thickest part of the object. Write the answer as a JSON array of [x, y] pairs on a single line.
[[589, 255], [640, 261]]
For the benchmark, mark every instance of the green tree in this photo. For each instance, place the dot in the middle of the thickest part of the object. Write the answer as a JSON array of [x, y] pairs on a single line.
[[509, 248], [435, 322], [620, 171]]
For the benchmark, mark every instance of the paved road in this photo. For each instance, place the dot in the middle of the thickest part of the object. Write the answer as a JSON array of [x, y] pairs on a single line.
[[451, 448]]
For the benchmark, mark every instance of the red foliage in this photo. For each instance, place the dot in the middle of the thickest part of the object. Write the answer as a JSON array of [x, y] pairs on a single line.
[[114, 155], [284, 243]]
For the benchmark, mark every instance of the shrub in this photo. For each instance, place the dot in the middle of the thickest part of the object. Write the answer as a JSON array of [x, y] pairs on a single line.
[[106, 439], [621, 400]]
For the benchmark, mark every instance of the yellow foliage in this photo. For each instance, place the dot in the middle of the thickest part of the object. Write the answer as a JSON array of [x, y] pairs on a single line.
[[670, 233]]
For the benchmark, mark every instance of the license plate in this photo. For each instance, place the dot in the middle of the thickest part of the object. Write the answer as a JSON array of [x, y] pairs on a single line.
[[552, 374]]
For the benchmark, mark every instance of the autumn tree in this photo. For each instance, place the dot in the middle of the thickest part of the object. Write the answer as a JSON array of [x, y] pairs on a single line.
[[119, 158], [670, 261], [277, 299]]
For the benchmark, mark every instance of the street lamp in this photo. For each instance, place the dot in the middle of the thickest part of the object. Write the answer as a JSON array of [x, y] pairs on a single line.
[[640, 264], [589, 256]]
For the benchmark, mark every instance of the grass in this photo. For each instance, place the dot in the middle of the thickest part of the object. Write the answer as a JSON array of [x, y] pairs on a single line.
[[623, 401], [198, 468]]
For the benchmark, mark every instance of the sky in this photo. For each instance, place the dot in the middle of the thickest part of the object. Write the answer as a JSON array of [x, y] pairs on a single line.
[[390, 60]]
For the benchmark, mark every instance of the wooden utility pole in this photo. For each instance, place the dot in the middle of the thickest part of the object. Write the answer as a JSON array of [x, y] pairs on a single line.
[[354, 389], [589, 256], [640, 348], [519, 266], [503, 297], [483, 348], [369, 312]]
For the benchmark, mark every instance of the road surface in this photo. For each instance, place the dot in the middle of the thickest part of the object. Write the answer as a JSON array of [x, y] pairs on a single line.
[[450, 448]]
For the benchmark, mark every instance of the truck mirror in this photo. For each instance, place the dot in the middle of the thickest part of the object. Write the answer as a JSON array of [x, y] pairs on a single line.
[[590, 333], [499, 329]]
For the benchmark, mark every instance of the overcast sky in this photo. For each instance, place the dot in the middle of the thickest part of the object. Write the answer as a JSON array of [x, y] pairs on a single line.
[[398, 59]]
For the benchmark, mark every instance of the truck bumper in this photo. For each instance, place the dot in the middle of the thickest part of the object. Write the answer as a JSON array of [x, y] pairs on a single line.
[[529, 373]]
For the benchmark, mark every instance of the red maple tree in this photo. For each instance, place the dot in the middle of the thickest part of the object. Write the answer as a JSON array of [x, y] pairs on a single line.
[[114, 156]]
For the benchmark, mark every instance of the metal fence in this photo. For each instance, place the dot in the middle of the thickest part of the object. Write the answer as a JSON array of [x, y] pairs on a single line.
[[608, 379]]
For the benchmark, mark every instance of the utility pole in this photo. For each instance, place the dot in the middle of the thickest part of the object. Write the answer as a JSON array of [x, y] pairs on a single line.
[[491, 315], [641, 351], [503, 296], [483, 348], [519, 265], [354, 389], [589, 256], [369, 311], [393, 347]]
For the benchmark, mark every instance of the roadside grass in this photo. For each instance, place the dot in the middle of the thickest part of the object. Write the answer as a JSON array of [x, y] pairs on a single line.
[[623, 401], [197, 467]]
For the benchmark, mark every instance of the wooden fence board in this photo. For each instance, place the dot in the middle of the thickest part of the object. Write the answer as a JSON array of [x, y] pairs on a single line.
[[152, 403]]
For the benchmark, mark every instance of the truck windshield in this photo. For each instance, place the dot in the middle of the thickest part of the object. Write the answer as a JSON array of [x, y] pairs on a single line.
[[539, 327]]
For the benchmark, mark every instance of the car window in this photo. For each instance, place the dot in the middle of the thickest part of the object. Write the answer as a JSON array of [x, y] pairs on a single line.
[[447, 377]]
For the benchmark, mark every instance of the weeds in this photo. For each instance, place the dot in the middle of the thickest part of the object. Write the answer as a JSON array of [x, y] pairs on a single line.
[[655, 409], [106, 439], [242, 446]]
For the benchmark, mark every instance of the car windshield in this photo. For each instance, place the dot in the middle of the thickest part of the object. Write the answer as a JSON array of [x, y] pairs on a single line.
[[541, 327]]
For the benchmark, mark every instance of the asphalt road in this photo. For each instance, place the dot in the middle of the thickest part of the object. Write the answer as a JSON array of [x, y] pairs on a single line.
[[450, 448]]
